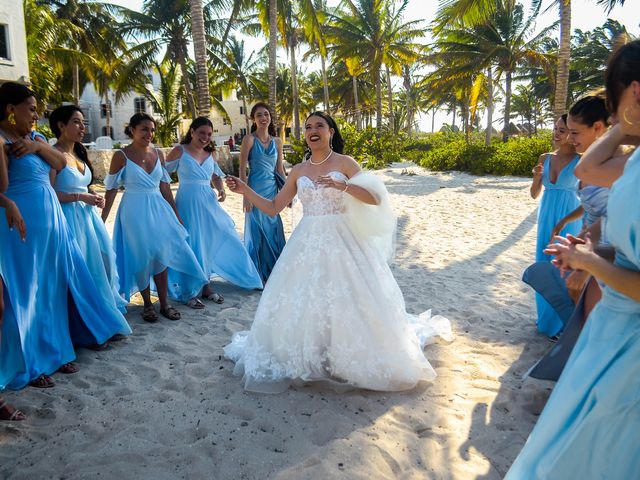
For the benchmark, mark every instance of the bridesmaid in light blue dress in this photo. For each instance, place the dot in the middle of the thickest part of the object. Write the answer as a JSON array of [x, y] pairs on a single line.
[[554, 172], [212, 234], [50, 300], [263, 235], [590, 427], [148, 236], [79, 204]]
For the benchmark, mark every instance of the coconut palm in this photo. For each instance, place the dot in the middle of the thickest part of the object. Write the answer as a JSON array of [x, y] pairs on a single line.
[[504, 40], [371, 32], [200, 51]]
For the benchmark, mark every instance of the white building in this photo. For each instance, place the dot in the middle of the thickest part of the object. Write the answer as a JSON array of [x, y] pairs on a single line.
[[95, 112], [14, 65]]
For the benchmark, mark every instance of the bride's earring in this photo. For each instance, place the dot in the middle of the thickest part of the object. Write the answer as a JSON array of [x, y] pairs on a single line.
[[626, 119], [331, 142]]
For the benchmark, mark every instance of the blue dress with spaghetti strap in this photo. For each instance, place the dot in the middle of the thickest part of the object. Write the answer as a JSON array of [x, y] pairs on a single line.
[[558, 200], [89, 231], [263, 235], [590, 426], [147, 236], [50, 296], [212, 234]]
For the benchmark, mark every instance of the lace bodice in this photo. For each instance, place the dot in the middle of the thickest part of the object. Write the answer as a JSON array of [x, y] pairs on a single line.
[[318, 200]]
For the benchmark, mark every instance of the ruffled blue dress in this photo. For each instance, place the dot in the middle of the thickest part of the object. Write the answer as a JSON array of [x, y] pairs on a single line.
[[50, 296], [590, 427], [558, 200], [89, 231], [147, 236], [263, 235], [212, 234]]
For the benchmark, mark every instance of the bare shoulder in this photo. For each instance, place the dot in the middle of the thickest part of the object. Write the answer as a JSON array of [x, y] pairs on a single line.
[[296, 171], [544, 156], [117, 161], [348, 165], [174, 154]]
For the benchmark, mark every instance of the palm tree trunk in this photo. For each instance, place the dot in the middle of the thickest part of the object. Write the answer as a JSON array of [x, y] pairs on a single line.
[[273, 44], [325, 84], [246, 113], [107, 119], [234, 14], [376, 73], [200, 51], [392, 120], [487, 135], [354, 81], [564, 55], [453, 121], [294, 90], [507, 106], [76, 83], [433, 120], [408, 92], [182, 61]]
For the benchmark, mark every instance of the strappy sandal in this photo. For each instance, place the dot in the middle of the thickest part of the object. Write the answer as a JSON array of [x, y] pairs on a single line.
[[170, 313], [43, 381], [68, 368], [195, 303], [214, 297], [8, 415], [149, 314]]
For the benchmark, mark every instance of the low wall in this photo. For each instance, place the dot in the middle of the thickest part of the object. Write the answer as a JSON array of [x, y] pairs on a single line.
[[101, 159]]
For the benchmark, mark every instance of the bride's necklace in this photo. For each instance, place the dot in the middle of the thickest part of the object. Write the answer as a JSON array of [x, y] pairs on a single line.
[[321, 162]]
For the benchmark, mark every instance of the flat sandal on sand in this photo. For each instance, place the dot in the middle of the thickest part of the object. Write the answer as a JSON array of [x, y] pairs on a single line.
[[170, 313], [214, 297]]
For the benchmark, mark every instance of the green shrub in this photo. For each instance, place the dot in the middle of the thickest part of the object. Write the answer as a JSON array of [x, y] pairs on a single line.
[[518, 156]]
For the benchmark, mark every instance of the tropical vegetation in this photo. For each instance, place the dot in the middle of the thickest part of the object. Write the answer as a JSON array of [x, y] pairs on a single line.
[[361, 60]]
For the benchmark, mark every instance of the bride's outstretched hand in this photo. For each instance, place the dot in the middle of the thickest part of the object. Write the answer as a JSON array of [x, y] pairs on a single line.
[[327, 181], [235, 184], [571, 253]]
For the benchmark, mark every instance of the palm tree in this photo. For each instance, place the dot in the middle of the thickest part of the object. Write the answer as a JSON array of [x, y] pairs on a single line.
[[273, 45], [503, 41], [476, 11], [91, 32], [200, 51], [370, 31], [312, 17]]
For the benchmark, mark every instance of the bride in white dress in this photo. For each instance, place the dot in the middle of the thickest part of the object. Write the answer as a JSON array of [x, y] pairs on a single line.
[[332, 310]]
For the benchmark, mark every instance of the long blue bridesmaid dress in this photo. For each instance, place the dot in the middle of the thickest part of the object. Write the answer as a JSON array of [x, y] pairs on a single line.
[[263, 235], [89, 231], [147, 236], [212, 234], [590, 427], [50, 297], [558, 200]]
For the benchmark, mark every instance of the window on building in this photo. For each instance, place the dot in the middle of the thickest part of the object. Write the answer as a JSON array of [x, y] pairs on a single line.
[[107, 131], [4, 42], [241, 110], [225, 121], [139, 105], [104, 108], [243, 131]]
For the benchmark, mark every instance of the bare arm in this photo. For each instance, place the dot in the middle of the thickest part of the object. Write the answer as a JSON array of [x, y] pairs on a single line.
[[280, 159], [174, 154], [270, 207], [602, 164], [536, 185], [117, 164], [219, 186], [571, 217], [245, 149], [165, 190], [4, 167]]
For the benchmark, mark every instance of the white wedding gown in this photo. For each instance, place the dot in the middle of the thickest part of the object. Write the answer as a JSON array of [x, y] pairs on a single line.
[[332, 310]]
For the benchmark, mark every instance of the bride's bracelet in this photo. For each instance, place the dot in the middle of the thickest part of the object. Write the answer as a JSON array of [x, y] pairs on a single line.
[[346, 185]]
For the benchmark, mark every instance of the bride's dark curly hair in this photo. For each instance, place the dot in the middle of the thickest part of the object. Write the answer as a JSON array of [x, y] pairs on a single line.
[[337, 142]]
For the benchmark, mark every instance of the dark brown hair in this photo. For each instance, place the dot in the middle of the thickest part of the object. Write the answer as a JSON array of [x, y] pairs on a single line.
[[272, 127], [136, 120], [63, 114], [12, 93], [622, 69], [337, 142], [197, 123], [590, 109]]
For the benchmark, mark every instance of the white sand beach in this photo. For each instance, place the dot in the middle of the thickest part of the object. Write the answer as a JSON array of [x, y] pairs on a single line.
[[163, 404]]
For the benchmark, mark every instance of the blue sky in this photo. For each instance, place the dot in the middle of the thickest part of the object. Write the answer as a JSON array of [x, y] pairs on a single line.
[[586, 15]]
